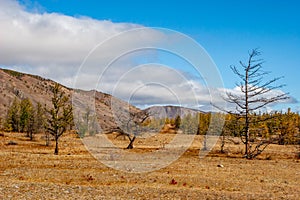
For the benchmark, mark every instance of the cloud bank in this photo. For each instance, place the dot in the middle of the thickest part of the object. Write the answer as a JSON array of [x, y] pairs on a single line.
[[49, 44]]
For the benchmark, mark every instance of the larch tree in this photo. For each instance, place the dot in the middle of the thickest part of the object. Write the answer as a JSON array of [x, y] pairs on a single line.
[[131, 124], [87, 123], [177, 122], [12, 121], [40, 118], [59, 116], [26, 116], [31, 128], [36, 120], [255, 94]]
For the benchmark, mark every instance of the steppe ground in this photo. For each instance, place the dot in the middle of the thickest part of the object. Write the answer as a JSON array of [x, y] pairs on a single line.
[[29, 170]]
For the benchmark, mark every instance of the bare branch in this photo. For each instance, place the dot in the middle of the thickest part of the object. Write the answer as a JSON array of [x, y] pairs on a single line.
[[256, 94]]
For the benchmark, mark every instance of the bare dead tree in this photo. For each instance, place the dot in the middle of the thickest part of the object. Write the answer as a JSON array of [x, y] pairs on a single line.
[[131, 125], [255, 95]]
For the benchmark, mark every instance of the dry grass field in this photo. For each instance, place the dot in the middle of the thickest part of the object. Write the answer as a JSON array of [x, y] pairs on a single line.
[[29, 170]]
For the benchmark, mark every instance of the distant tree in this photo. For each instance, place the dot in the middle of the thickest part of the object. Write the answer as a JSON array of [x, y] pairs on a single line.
[[40, 117], [156, 124], [26, 114], [12, 120], [167, 120], [60, 116], [87, 123], [31, 127], [131, 124], [233, 125], [287, 127], [255, 95], [189, 124], [177, 122], [203, 124], [36, 121], [172, 122]]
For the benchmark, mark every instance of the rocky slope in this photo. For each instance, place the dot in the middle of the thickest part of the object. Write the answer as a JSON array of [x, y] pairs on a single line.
[[19, 85]]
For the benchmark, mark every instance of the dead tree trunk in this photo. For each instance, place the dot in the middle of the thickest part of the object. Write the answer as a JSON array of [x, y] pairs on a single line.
[[56, 146], [130, 145], [254, 94]]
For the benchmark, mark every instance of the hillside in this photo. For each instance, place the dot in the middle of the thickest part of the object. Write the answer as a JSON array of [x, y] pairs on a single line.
[[20, 85]]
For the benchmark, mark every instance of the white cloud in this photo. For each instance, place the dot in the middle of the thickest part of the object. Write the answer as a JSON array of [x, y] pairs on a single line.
[[36, 42], [268, 108]]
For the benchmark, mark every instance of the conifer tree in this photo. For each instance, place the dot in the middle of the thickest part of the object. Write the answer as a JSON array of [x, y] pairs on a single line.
[[177, 122], [13, 117], [26, 114], [60, 115]]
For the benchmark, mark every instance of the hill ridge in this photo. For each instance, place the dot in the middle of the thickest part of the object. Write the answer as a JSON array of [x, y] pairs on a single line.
[[14, 84]]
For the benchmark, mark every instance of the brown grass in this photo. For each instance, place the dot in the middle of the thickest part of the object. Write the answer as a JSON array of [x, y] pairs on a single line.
[[29, 170]]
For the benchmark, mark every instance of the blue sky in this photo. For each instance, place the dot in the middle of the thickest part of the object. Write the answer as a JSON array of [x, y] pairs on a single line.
[[226, 29]]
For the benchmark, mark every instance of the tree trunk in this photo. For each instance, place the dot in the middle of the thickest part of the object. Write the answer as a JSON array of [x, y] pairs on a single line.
[[130, 146], [205, 143], [247, 150], [223, 143], [281, 140], [247, 155], [56, 146], [47, 135], [31, 136]]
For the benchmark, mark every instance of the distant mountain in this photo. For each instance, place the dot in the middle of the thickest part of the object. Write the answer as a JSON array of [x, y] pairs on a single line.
[[170, 111], [18, 85]]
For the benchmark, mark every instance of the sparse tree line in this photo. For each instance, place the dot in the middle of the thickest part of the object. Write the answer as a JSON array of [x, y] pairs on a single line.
[[25, 117], [283, 129]]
